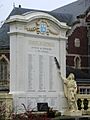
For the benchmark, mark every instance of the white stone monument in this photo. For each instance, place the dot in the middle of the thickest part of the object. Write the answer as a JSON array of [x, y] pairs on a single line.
[[35, 39]]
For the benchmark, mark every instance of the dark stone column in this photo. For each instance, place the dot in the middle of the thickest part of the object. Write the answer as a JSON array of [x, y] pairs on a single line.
[[88, 35]]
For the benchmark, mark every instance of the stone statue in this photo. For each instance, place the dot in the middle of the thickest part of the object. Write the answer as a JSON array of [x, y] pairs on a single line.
[[70, 90]]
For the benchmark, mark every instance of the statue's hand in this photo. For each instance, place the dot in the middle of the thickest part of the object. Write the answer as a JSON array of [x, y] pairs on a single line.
[[59, 72]]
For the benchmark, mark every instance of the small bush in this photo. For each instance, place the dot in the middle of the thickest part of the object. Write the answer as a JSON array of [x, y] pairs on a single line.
[[29, 115]]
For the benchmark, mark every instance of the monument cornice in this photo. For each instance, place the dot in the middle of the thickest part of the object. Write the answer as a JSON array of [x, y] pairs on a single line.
[[23, 33]]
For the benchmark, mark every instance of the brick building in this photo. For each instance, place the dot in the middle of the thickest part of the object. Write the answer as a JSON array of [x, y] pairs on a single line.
[[78, 44]]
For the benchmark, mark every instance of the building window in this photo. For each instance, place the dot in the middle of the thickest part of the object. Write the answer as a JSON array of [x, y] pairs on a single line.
[[77, 62], [88, 91], [77, 42], [4, 68], [83, 90]]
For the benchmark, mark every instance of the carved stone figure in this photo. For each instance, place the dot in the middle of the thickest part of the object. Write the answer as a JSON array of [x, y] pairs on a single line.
[[70, 90]]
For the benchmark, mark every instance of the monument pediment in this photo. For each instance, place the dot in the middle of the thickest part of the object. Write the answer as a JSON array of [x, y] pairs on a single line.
[[42, 27], [39, 23]]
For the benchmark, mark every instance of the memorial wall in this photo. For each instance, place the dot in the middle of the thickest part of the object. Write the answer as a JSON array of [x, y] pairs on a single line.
[[35, 39]]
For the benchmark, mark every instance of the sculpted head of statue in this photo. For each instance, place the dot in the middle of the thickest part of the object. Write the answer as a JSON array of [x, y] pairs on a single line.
[[71, 76]]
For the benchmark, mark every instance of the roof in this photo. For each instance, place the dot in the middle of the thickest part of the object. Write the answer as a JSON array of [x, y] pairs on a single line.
[[62, 17], [75, 8], [4, 37]]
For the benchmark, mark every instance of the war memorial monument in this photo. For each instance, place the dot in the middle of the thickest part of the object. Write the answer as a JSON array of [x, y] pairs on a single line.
[[36, 40]]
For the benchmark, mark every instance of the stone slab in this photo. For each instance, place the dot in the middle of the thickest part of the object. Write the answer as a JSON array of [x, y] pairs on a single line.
[[75, 113], [72, 118]]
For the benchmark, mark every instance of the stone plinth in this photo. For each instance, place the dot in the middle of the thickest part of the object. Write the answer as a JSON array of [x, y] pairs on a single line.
[[72, 118], [75, 113]]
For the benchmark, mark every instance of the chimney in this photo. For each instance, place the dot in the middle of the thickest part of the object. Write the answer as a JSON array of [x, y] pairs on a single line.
[[19, 6]]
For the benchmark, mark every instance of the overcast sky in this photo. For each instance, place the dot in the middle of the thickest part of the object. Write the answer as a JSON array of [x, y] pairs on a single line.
[[7, 5]]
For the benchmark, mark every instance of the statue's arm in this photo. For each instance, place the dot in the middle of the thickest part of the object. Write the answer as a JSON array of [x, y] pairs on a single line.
[[75, 88], [64, 79], [58, 69]]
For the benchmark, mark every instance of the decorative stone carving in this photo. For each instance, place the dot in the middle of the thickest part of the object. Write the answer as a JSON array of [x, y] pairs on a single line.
[[41, 26]]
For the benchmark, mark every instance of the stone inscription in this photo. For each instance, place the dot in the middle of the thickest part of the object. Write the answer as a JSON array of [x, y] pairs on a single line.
[[41, 66]]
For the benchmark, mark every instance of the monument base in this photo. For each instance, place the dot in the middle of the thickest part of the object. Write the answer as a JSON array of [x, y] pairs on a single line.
[[31, 100], [71, 113]]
